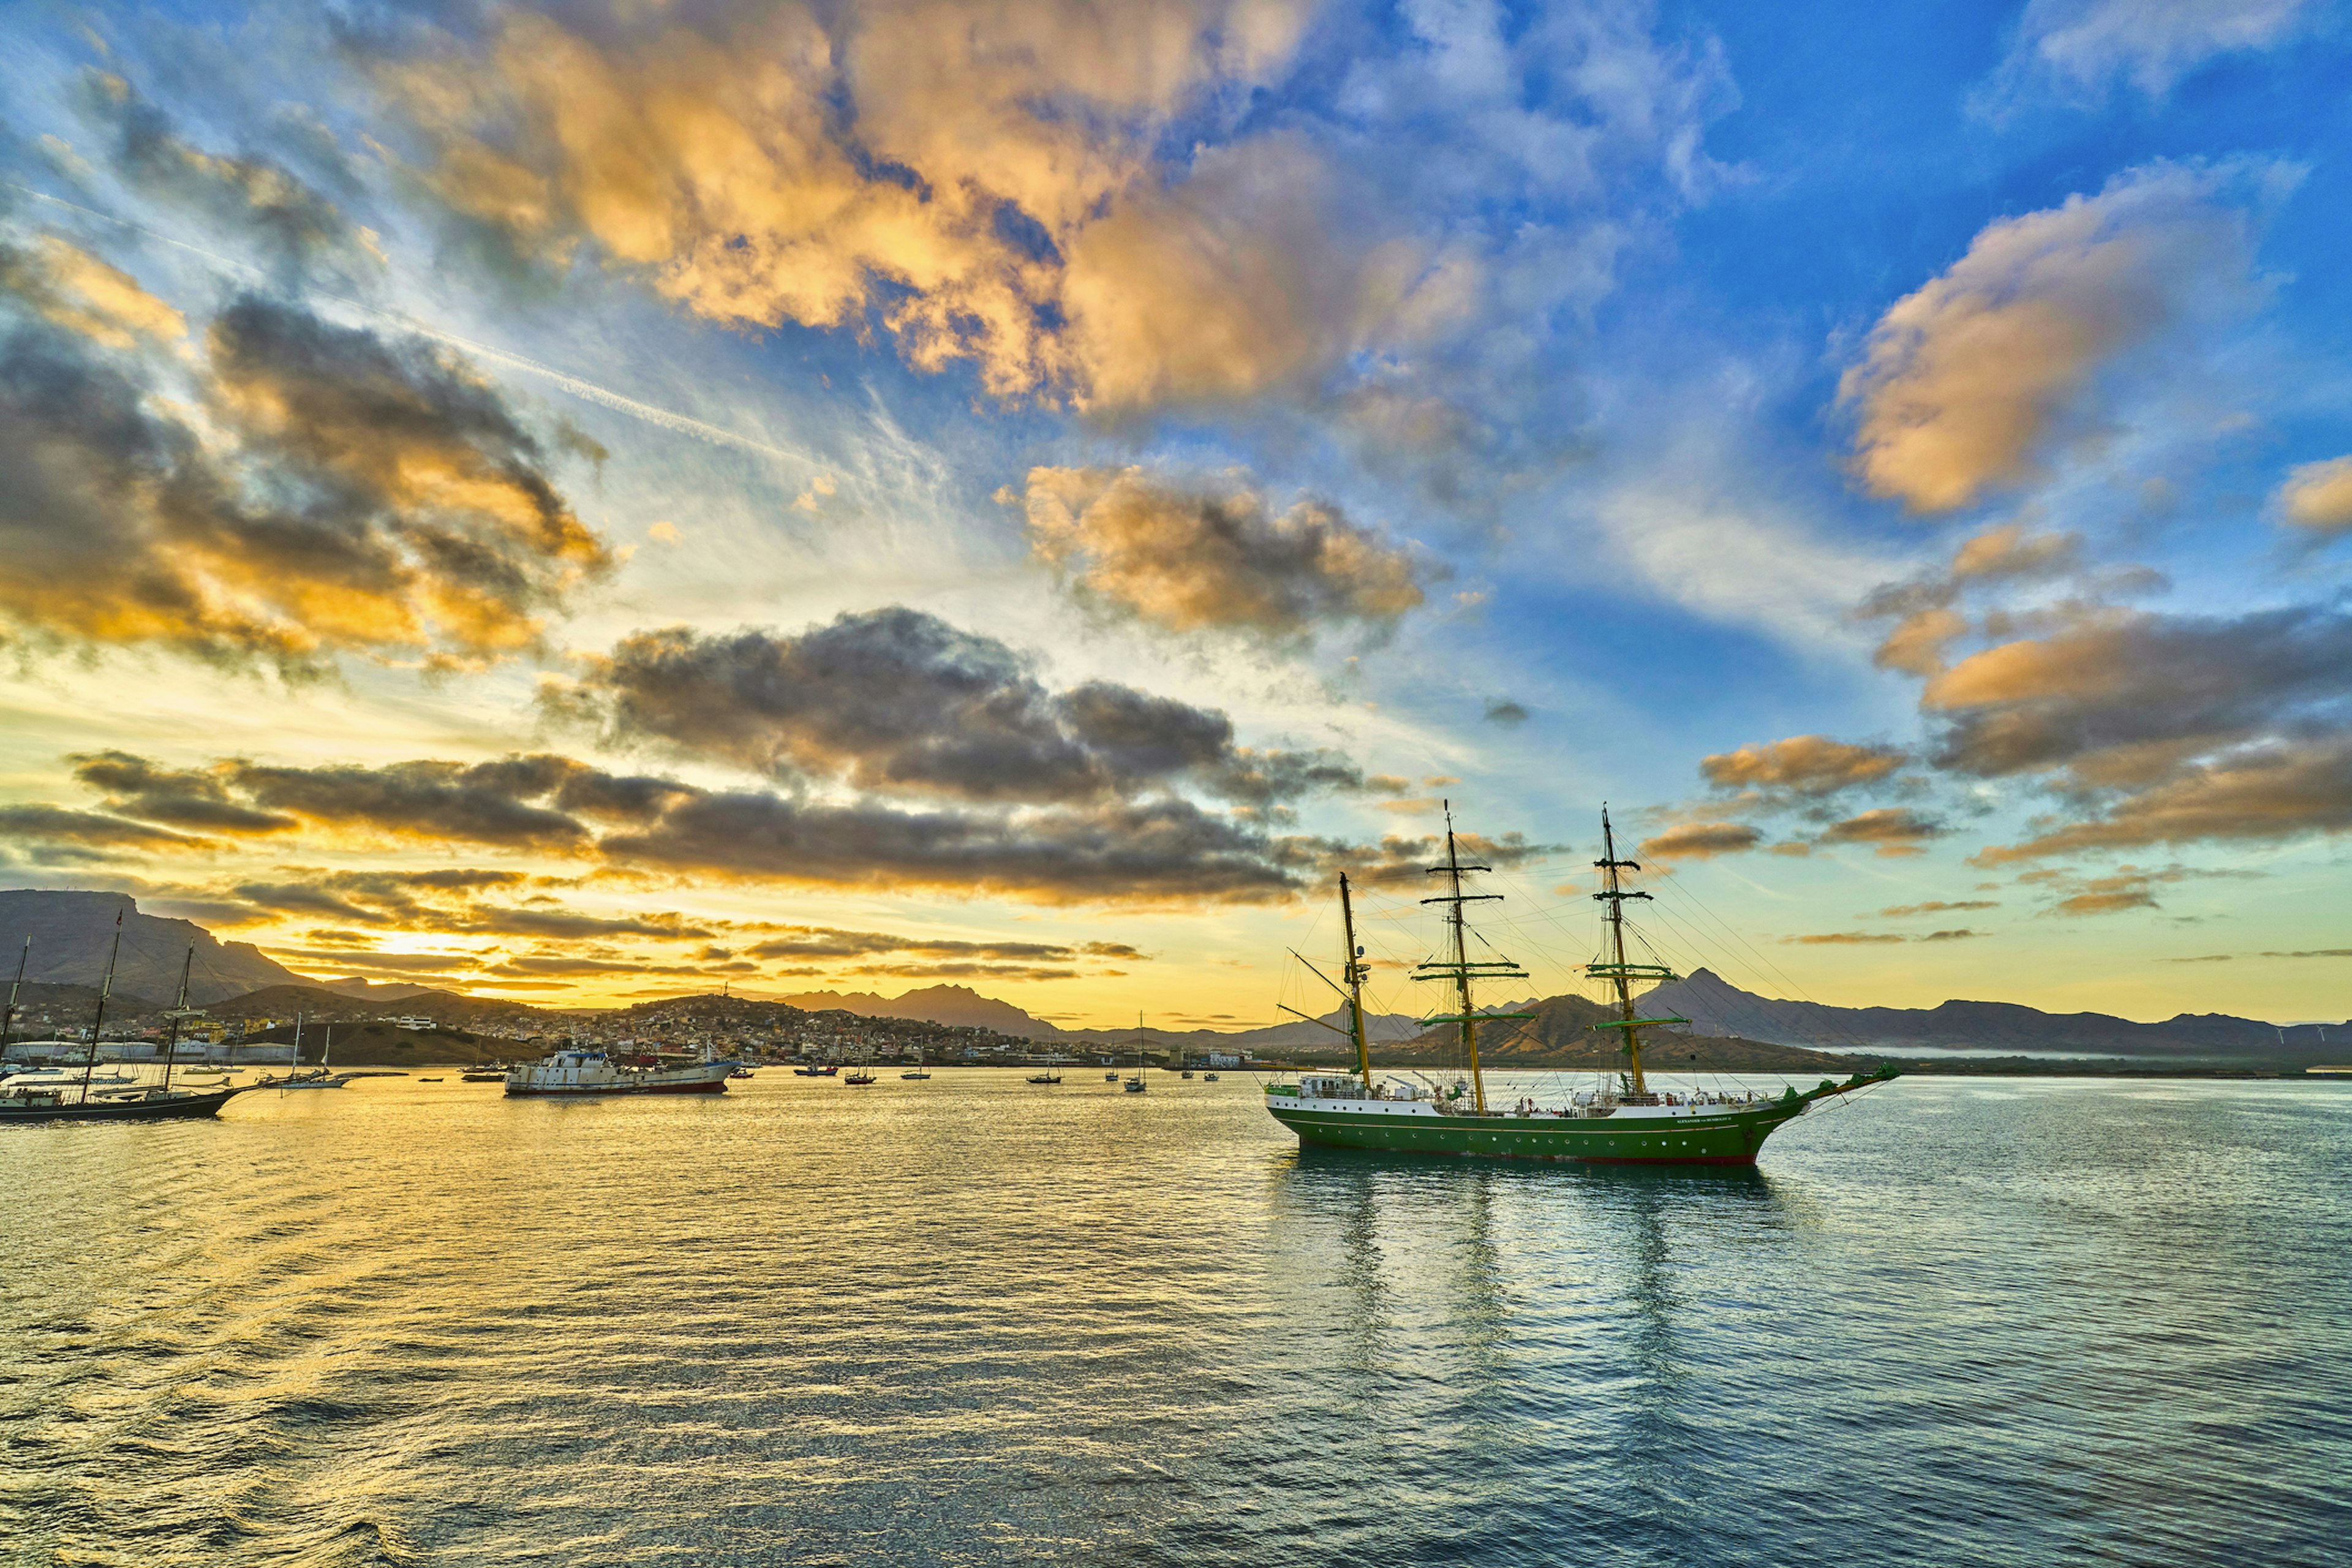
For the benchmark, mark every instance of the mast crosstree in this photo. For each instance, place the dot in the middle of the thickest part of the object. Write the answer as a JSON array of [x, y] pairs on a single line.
[[1459, 968]]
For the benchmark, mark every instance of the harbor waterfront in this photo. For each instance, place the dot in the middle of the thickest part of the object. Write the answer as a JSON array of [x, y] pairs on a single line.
[[970, 1322]]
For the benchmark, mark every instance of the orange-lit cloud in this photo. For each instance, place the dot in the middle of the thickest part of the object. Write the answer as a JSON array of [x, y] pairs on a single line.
[[1214, 556], [1963, 385], [1700, 841], [2318, 496], [1801, 765]]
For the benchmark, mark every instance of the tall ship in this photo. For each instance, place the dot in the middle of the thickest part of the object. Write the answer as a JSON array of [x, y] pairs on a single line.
[[1626, 1120], [88, 1096], [581, 1074]]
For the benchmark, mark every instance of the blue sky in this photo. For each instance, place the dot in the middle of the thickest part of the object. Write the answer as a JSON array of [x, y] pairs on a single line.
[[1122, 464]]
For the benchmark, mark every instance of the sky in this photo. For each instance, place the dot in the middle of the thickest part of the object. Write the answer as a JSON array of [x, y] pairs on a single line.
[[593, 501]]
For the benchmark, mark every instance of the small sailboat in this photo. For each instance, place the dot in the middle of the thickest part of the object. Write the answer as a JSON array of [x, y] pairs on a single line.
[[321, 1079], [917, 1073], [1136, 1084], [864, 1075]]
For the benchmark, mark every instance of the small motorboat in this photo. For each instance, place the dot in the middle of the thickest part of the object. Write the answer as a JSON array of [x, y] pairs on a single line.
[[1208, 1077], [740, 1072], [495, 1073], [428, 1080], [1110, 1078], [1187, 1072], [825, 1070], [1048, 1076]]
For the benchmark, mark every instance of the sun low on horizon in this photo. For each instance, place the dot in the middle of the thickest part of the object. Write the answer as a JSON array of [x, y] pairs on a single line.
[[589, 502]]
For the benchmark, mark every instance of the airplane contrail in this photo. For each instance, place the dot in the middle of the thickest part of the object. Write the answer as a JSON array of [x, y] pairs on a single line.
[[587, 391]]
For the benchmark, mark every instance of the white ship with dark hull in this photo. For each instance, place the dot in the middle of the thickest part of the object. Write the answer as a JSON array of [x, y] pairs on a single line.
[[582, 1075]]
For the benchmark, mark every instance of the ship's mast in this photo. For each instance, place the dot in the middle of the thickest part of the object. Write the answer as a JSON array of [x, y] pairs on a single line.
[[1458, 968], [9, 1017], [1351, 969], [179, 1011], [98, 1023], [1619, 972]]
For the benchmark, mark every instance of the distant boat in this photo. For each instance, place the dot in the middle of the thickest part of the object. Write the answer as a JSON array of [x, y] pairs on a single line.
[[494, 1073], [1110, 1077], [917, 1072], [1049, 1075], [825, 1069], [740, 1072], [428, 1080], [322, 1078], [581, 1074], [1136, 1085], [1187, 1073], [864, 1076], [1208, 1077]]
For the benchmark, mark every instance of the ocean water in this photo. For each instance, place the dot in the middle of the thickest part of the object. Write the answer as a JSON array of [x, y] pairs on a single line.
[[972, 1321]]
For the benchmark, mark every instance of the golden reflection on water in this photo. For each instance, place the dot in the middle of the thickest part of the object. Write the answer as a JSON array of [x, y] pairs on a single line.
[[973, 1321]]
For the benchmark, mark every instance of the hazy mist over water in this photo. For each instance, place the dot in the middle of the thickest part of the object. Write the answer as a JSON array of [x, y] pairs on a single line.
[[975, 1322]]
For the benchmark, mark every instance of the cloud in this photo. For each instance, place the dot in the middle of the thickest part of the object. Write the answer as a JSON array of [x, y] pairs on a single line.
[[828, 943], [2087, 44], [2009, 552], [1845, 939], [52, 825], [2276, 790], [1806, 765], [183, 797], [250, 194], [1211, 555], [1501, 711], [1937, 906], [900, 701], [73, 290], [1963, 385], [1112, 851], [2318, 496], [2314, 952], [2115, 696], [313, 489], [1700, 841], [1894, 830], [1949, 936], [1100, 208]]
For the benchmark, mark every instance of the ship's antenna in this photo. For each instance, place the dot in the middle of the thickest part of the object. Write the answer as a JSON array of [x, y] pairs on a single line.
[[1618, 972], [1459, 969]]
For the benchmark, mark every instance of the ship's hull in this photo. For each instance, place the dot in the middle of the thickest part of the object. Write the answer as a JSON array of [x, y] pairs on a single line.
[[1731, 1139], [175, 1108]]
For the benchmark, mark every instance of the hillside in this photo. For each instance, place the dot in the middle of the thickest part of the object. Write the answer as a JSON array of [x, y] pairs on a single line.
[[72, 932], [956, 1004]]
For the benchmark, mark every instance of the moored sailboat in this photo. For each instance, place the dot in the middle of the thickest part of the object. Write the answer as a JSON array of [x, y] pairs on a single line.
[[1627, 1122], [47, 1099]]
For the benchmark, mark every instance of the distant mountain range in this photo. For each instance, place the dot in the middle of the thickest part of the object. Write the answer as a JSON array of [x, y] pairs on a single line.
[[1715, 1007]]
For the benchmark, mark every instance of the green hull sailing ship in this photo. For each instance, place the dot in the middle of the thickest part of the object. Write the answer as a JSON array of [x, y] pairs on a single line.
[[1627, 1122]]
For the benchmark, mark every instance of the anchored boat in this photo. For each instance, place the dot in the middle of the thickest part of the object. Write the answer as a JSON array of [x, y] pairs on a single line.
[[580, 1074], [43, 1098], [1625, 1123]]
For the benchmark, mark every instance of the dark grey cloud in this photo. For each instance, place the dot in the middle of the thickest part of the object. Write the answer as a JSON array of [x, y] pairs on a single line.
[[183, 797], [828, 942], [340, 491], [896, 700], [53, 824], [484, 803], [1502, 710]]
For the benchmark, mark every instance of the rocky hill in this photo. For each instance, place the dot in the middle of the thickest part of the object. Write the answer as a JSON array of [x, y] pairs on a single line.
[[72, 932]]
